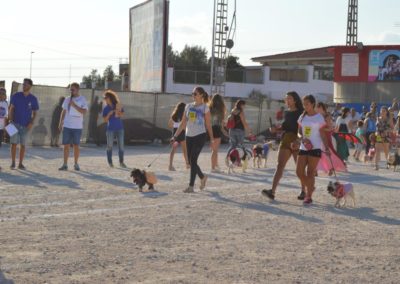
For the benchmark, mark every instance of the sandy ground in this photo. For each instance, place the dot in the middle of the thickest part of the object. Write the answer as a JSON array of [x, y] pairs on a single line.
[[93, 226]]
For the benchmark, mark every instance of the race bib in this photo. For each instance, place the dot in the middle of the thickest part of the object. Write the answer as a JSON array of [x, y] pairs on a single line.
[[307, 131], [192, 115]]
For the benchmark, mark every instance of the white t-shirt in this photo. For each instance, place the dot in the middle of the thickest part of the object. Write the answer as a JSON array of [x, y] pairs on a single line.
[[195, 116], [3, 113], [340, 120], [73, 118], [310, 126]]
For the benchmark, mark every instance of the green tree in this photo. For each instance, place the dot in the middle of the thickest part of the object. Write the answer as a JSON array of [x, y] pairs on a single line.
[[109, 74]]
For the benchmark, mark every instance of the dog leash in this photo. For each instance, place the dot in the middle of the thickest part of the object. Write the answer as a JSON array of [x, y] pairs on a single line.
[[158, 156], [333, 167]]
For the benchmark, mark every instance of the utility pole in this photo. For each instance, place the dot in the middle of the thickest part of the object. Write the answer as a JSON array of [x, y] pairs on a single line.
[[30, 66]]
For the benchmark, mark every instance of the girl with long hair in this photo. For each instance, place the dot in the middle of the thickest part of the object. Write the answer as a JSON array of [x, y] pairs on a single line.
[[174, 122], [311, 132], [112, 113], [237, 134], [217, 110], [334, 163], [286, 147], [384, 127], [196, 120], [343, 124]]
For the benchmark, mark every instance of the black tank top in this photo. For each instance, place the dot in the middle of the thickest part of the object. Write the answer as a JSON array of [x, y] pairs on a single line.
[[238, 122]]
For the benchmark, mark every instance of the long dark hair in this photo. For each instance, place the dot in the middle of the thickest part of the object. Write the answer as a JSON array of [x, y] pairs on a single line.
[[345, 111], [323, 106], [217, 105], [297, 100], [312, 100], [239, 104], [178, 111]]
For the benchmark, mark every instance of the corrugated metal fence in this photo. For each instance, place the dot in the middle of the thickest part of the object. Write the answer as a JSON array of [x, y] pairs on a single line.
[[146, 114]]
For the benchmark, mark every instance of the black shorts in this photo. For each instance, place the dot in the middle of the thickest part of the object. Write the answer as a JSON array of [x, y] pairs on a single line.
[[217, 132], [181, 137], [313, 153]]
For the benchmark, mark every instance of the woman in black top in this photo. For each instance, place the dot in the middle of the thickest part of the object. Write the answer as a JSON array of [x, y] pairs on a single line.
[[237, 134], [286, 148]]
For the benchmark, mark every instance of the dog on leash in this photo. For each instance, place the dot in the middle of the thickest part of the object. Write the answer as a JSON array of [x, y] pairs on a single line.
[[260, 152], [238, 158], [393, 160], [341, 192], [141, 178]]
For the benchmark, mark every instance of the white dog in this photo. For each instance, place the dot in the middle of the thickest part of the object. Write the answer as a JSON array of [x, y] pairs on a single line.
[[342, 192], [238, 157]]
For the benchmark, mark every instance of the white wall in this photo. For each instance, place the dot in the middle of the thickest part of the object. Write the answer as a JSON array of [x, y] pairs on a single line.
[[323, 90]]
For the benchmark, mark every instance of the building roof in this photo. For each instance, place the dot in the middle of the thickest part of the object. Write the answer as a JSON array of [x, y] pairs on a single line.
[[320, 53]]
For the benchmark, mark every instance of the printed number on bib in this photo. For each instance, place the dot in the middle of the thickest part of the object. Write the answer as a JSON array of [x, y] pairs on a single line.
[[307, 131], [192, 116]]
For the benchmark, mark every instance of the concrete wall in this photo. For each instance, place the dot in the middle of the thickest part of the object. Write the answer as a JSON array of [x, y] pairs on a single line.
[[275, 89]]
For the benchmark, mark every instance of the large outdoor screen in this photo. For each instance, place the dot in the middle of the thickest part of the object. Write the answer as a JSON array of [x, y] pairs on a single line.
[[384, 65], [148, 38]]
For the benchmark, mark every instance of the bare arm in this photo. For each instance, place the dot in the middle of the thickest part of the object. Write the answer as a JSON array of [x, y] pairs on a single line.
[[79, 109], [243, 119], [32, 120], [107, 117], [322, 132], [207, 119], [170, 123], [181, 126], [11, 113]]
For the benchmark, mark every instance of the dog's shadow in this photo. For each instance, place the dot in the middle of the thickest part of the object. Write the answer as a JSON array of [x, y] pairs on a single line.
[[153, 194], [258, 206]]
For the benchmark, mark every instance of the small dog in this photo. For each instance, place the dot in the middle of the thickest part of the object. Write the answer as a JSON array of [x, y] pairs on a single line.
[[238, 157], [141, 178], [341, 192], [260, 152], [393, 161]]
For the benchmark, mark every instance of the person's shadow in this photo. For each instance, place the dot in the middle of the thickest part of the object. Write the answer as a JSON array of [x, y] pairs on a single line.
[[39, 133], [4, 280]]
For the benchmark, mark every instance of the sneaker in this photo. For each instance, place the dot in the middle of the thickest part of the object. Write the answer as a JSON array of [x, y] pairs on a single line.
[[189, 189], [76, 167], [122, 165], [307, 200], [301, 196], [268, 193], [171, 169], [12, 166], [63, 168], [21, 167], [203, 182], [111, 165]]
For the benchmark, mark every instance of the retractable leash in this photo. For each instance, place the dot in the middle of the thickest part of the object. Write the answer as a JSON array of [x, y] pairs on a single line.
[[333, 167]]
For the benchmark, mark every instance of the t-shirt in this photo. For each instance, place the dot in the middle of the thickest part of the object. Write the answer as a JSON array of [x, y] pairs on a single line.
[[23, 107], [310, 126], [360, 134], [114, 123], [344, 121], [290, 121], [73, 118], [195, 116], [3, 113]]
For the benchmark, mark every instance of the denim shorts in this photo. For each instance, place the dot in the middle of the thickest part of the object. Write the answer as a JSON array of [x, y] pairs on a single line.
[[20, 137], [71, 136]]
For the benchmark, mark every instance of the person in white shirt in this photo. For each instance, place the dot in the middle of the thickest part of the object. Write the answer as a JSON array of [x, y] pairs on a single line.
[[3, 113], [354, 118], [311, 131], [71, 124]]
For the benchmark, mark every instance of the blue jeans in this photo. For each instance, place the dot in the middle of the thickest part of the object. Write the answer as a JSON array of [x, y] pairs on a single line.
[[236, 137], [119, 134]]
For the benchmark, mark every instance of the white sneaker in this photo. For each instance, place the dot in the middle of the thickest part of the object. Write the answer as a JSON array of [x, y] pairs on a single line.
[[189, 189]]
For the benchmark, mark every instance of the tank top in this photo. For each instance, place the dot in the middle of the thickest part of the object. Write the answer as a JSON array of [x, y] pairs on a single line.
[[238, 121]]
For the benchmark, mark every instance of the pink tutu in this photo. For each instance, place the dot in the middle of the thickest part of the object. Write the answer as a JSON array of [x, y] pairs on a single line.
[[326, 165]]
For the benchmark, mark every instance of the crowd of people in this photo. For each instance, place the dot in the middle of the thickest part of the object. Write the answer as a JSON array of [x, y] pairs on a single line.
[[308, 131]]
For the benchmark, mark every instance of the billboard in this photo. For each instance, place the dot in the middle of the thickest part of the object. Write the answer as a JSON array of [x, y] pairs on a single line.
[[147, 46], [384, 65]]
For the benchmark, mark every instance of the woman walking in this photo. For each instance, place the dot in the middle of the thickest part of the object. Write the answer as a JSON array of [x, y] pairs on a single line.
[[238, 132], [342, 126], [369, 128], [286, 149], [196, 120], [327, 164], [384, 127], [312, 128], [174, 122], [217, 110], [112, 113]]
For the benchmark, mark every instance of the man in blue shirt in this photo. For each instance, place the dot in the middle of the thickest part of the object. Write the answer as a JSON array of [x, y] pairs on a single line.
[[22, 113]]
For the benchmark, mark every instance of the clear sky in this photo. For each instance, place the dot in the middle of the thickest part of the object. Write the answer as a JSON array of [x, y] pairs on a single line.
[[69, 38]]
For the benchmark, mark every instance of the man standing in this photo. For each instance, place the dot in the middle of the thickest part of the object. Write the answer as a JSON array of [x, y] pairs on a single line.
[[71, 124], [3, 113], [22, 113]]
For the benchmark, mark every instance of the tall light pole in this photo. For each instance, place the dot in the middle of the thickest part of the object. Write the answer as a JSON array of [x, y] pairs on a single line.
[[30, 66]]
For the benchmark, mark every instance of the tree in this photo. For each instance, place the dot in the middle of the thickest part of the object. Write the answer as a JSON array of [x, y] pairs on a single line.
[[108, 74], [94, 76], [192, 56]]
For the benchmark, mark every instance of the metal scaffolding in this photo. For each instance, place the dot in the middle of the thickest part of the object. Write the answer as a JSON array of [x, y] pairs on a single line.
[[352, 23]]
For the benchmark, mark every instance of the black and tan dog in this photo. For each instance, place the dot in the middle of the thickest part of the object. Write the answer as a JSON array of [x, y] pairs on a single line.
[[141, 178], [393, 161]]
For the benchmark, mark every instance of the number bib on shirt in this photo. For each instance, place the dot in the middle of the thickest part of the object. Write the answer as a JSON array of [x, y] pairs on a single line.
[[192, 115], [307, 131]]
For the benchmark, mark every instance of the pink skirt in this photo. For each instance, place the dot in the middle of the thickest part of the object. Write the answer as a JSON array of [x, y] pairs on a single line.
[[325, 163]]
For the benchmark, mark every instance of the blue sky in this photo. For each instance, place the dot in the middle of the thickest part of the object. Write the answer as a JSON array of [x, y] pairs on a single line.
[[72, 37]]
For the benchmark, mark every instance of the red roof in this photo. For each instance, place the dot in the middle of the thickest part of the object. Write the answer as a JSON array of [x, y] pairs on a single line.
[[320, 53]]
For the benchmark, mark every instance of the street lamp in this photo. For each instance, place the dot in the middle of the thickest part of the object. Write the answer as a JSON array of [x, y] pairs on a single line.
[[30, 67]]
